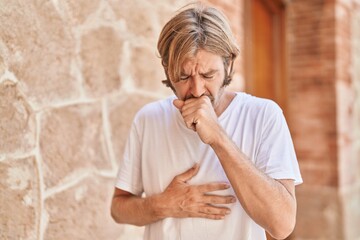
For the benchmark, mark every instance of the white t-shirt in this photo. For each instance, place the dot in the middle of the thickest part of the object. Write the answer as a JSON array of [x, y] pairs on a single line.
[[160, 147]]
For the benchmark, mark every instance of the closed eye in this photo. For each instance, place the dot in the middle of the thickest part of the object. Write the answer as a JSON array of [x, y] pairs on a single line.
[[208, 76], [182, 78]]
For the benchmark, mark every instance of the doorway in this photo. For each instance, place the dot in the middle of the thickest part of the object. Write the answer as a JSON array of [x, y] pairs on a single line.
[[265, 47]]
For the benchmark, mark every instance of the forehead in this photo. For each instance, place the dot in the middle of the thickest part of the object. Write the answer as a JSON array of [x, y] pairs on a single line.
[[202, 61]]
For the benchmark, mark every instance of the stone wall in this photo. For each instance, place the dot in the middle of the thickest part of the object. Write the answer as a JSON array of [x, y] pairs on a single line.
[[72, 75]]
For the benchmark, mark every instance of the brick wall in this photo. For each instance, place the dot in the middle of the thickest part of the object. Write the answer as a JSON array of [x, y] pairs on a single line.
[[312, 116], [324, 118], [72, 75]]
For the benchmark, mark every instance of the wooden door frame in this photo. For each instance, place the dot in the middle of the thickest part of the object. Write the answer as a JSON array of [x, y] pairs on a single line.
[[280, 72]]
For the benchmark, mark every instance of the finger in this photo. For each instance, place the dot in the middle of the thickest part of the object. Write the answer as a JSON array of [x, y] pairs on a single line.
[[186, 176], [210, 187], [216, 199], [208, 209], [178, 104], [192, 104], [208, 216], [192, 111], [191, 121]]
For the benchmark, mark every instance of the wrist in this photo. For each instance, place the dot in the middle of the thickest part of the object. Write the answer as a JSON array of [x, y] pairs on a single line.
[[220, 138], [156, 206]]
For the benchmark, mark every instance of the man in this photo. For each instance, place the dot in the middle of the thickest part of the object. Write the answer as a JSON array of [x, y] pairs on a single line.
[[213, 164]]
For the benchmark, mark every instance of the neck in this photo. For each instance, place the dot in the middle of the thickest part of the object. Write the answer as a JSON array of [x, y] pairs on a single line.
[[224, 102]]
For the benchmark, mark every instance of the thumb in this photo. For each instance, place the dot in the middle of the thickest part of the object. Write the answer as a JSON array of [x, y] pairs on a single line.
[[178, 103], [189, 174]]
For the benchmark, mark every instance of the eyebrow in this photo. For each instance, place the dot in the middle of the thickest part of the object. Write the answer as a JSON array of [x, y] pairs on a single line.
[[209, 72]]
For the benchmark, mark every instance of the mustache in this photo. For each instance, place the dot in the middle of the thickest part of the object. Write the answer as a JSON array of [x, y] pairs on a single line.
[[191, 96]]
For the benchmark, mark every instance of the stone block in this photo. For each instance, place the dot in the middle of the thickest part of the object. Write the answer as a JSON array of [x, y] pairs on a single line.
[[319, 214], [72, 141], [82, 212], [17, 120], [121, 113], [100, 53], [40, 49], [140, 16], [146, 70], [19, 199], [79, 10]]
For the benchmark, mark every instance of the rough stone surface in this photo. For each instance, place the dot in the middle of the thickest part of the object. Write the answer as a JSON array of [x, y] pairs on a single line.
[[143, 23], [79, 10], [72, 141], [19, 198], [147, 71], [100, 54], [121, 113], [17, 121], [2, 65], [40, 50], [86, 206]]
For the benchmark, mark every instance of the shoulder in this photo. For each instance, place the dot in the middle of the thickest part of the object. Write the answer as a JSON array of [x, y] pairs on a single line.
[[259, 106], [154, 110]]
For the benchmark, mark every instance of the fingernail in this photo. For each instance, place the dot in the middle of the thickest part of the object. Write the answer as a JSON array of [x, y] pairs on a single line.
[[233, 200], [227, 212]]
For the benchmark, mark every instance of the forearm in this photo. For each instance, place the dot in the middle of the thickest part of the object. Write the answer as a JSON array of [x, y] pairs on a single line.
[[265, 200], [134, 210]]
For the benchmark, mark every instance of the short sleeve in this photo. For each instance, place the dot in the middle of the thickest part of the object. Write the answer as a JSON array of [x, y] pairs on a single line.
[[276, 154], [129, 174]]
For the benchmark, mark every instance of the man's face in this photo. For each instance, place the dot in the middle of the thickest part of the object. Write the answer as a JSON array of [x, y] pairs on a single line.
[[202, 74]]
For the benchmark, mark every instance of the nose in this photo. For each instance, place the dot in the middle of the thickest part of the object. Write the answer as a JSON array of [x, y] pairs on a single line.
[[197, 86]]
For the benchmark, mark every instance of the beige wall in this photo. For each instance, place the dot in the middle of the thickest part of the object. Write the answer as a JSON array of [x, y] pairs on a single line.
[[72, 75]]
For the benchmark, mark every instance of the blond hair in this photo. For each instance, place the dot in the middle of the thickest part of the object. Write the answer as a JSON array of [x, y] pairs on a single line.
[[197, 27]]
